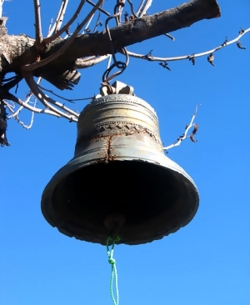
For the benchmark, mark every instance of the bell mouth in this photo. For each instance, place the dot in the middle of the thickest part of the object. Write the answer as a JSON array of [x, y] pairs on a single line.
[[152, 200]]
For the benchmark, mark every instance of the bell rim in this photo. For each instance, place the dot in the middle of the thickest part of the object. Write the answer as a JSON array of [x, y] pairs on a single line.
[[57, 222]]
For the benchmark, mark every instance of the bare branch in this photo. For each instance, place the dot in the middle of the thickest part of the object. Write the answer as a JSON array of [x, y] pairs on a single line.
[[1, 8], [59, 19], [138, 13], [98, 22], [88, 62], [169, 36], [239, 45], [88, 24], [195, 55], [28, 97], [36, 65], [38, 26], [138, 30], [47, 101], [66, 26], [146, 7], [15, 113], [66, 99], [12, 82], [99, 8], [9, 107], [15, 116], [98, 44], [185, 135], [15, 99]]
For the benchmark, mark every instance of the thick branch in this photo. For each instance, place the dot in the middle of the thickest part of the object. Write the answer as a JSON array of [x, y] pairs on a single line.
[[142, 29], [98, 43]]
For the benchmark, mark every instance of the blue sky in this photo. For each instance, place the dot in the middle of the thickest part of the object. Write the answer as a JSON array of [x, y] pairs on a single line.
[[206, 262]]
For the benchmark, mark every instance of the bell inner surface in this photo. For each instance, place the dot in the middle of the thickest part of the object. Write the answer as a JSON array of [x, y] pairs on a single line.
[[143, 193]]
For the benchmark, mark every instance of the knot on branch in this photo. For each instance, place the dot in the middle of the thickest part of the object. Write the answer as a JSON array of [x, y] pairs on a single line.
[[3, 29]]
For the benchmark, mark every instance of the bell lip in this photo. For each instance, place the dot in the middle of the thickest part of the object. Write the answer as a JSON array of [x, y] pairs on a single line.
[[55, 221]]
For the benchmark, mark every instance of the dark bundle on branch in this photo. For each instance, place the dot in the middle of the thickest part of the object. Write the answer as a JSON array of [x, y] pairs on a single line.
[[3, 125], [64, 80]]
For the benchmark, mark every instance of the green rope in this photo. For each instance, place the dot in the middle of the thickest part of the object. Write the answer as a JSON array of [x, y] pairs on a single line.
[[114, 275]]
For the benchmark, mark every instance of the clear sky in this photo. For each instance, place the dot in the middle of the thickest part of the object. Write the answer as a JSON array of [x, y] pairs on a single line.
[[206, 262]]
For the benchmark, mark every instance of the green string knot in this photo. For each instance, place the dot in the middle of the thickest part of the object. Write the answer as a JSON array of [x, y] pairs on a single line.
[[111, 261], [114, 275]]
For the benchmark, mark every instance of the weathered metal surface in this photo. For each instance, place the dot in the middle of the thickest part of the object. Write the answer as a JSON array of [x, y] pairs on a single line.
[[119, 168]]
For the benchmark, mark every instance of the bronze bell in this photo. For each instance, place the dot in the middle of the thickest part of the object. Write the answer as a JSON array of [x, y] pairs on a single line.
[[119, 181]]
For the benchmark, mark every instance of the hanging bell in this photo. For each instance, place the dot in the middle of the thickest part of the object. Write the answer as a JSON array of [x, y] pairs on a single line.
[[119, 181]]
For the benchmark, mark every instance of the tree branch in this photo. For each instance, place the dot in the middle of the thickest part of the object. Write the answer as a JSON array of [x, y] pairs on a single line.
[[190, 56], [47, 101], [38, 25], [146, 7], [185, 135], [59, 19], [89, 62], [15, 116], [66, 99], [99, 8], [1, 7], [134, 31], [56, 54], [15, 99], [97, 44], [65, 27]]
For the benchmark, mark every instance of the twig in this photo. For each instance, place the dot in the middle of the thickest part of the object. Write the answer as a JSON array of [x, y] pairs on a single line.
[[1, 7], [66, 99], [99, 9], [138, 13], [164, 59], [47, 101], [97, 23], [28, 97], [50, 29], [9, 107], [185, 135], [15, 99], [170, 36], [86, 29], [47, 40], [15, 113], [146, 7], [82, 63], [15, 116], [59, 20], [12, 82]]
